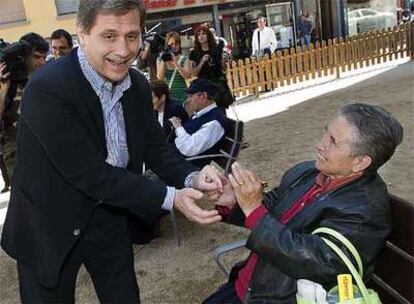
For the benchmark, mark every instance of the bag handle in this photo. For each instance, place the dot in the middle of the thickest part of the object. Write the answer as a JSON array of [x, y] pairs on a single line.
[[345, 259], [345, 242]]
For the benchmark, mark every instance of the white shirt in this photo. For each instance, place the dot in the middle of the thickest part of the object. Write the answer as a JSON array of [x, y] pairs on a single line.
[[161, 118], [206, 137], [267, 41]]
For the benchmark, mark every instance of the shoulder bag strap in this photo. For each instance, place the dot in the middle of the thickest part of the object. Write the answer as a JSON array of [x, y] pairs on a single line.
[[345, 242], [175, 72]]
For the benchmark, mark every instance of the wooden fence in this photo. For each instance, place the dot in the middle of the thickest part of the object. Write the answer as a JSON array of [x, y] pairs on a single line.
[[252, 76]]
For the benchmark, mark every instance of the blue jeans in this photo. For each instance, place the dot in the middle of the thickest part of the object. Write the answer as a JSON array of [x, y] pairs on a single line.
[[305, 40]]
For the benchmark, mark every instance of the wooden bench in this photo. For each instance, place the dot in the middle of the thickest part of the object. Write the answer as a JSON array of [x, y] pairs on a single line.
[[393, 277]]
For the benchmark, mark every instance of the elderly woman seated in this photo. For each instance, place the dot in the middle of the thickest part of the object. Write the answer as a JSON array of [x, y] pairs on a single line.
[[341, 190]]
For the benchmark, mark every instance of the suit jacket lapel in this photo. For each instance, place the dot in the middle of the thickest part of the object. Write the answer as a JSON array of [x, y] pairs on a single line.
[[90, 106], [131, 129]]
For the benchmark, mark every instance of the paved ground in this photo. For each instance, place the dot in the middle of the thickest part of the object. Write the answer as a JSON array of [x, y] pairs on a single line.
[[187, 274]]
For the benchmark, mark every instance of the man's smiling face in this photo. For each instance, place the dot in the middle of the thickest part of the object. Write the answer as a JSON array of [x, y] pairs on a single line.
[[112, 43]]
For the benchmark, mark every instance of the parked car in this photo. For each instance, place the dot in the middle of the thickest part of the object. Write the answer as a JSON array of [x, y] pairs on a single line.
[[366, 19]]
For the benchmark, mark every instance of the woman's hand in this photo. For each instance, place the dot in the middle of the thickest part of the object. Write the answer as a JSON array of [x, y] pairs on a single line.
[[247, 187]]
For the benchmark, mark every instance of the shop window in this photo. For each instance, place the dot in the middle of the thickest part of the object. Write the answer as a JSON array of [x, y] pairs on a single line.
[[66, 7], [371, 15], [12, 11]]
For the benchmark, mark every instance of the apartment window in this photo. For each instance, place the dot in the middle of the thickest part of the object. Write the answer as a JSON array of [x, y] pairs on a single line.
[[12, 11], [66, 7]]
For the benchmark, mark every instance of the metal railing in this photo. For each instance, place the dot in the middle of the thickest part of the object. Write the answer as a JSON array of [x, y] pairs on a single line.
[[12, 16], [66, 7]]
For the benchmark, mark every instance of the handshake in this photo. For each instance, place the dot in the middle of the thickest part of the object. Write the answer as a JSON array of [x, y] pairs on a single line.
[[243, 188]]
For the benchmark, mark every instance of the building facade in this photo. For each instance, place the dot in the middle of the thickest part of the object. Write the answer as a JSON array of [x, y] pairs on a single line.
[[235, 20]]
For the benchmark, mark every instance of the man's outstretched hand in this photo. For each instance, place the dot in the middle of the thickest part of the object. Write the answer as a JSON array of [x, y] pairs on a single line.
[[184, 200]]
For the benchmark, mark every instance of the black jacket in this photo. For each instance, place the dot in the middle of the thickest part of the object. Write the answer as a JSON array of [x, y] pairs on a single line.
[[61, 174], [358, 210], [172, 108]]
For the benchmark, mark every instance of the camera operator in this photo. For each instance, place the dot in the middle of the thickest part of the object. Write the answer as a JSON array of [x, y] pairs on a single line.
[[173, 67], [40, 48], [17, 62], [148, 54]]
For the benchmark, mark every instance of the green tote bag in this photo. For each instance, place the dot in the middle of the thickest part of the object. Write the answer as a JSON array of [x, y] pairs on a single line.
[[367, 296]]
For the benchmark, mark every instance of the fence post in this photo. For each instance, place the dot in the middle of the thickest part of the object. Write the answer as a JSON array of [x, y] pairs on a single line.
[[349, 54], [337, 57], [385, 45], [331, 56], [229, 77], [299, 56], [274, 71], [293, 63], [236, 79], [255, 75], [279, 59], [242, 76], [248, 72], [373, 47], [380, 45], [286, 55], [324, 58], [367, 50]]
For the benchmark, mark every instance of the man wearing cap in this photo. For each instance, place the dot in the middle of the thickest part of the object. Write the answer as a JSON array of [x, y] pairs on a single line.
[[203, 133]]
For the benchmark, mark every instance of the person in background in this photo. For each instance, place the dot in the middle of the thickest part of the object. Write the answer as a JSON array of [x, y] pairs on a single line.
[[221, 42], [165, 107], [61, 43], [40, 48], [206, 61], [341, 190], [147, 57], [305, 27], [31, 51], [173, 67], [203, 133], [263, 39]]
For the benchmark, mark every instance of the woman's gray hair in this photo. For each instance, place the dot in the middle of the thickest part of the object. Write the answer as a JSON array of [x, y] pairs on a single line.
[[377, 133], [89, 9]]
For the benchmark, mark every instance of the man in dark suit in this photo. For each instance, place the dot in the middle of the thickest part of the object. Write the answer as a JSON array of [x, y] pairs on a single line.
[[86, 128]]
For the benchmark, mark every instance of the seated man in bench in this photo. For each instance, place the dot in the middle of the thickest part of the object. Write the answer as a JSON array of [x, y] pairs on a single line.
[[203, 133], [341, 190]]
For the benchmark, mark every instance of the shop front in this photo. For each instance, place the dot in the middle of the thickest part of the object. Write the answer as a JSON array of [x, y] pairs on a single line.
[[370, 15], [239, 20]]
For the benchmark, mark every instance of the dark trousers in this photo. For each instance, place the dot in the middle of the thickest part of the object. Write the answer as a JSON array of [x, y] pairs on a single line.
[[225, 295], [105, 249]]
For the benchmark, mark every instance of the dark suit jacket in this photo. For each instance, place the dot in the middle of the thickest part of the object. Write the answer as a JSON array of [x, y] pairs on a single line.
[[61, 174], [172, 108]]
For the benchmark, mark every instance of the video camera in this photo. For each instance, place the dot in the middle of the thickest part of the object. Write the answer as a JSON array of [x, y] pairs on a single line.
[[15, 56], [166, 54]]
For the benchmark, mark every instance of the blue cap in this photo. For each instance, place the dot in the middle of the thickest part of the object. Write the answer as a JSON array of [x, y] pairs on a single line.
[[202, 85]]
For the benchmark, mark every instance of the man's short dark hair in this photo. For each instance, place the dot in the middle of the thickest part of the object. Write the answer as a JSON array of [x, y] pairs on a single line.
[[89, 9], [378, 133], [62, 33], [38, 43], [159, 88]]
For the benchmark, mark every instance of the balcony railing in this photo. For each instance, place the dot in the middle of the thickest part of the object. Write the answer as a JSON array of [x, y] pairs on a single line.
[[12, 16], [66, 7]]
